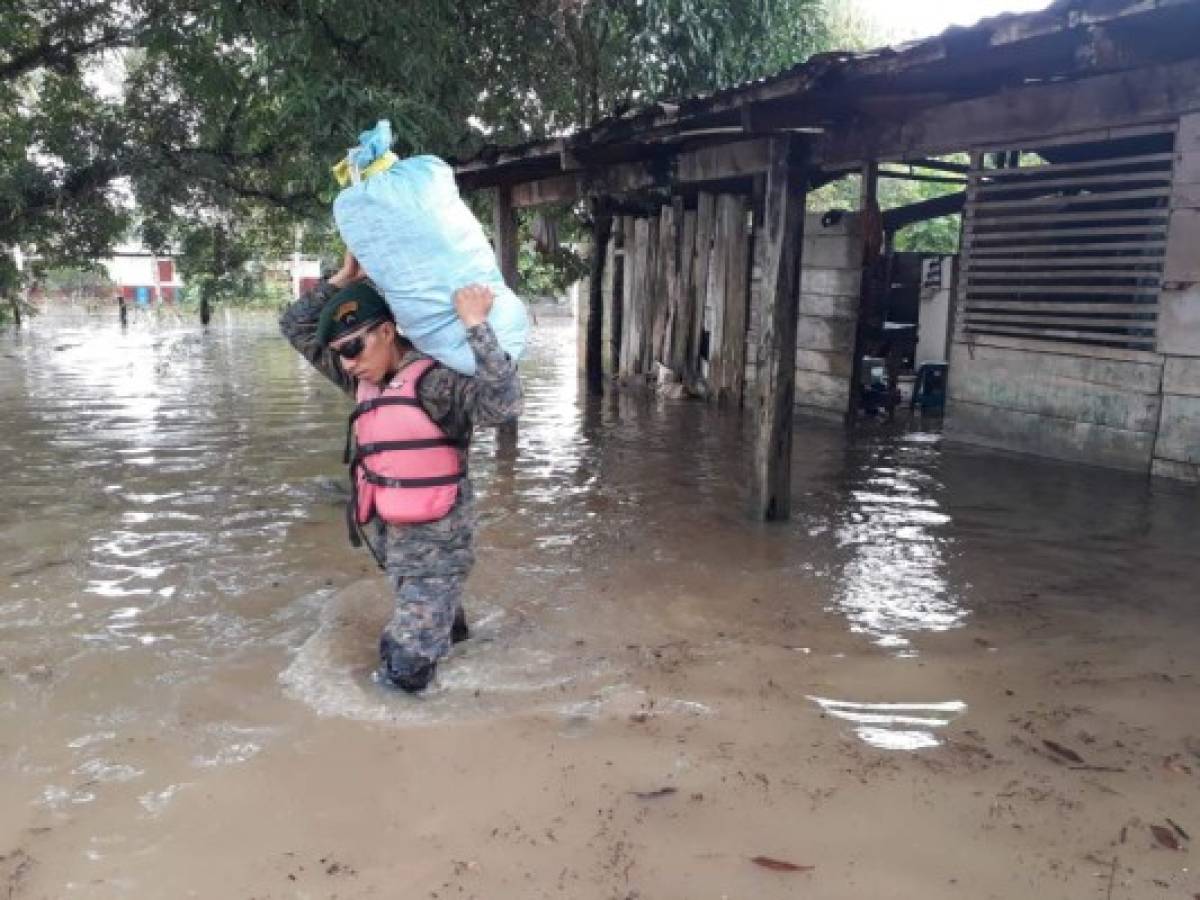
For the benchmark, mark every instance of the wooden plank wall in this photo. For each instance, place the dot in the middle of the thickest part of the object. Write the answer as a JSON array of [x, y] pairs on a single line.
[[1177, 448], [729, 294], [611, 293], [639, 295], [705, 222], [685, 294]]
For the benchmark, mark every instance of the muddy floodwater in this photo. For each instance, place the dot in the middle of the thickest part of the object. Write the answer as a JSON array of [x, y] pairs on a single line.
[[954, 674]]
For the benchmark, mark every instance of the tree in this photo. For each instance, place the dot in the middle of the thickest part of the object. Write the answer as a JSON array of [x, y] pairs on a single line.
[[216, 121], [218, 116], [550, 67]]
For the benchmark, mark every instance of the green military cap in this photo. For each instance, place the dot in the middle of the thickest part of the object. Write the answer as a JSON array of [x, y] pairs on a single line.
[[349, 309]]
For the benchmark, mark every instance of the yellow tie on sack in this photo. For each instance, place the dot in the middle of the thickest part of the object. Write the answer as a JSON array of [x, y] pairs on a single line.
[[347, 174]]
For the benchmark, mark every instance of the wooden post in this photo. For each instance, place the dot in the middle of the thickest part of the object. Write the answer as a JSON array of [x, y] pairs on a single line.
[[783, 231], [619, 267], [601, 230], [504, 220], [868, 207]]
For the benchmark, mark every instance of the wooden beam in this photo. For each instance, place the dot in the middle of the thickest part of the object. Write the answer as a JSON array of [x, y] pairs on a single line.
[[625, 178], [916, 176], [782, 234], [614, 180], [948, 204], [560, 189], [941, 165], [504, 222], [1023, 115], [735, 160]]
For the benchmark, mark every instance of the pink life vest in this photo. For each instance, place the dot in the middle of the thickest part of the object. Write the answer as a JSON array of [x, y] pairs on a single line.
[[405, 469]]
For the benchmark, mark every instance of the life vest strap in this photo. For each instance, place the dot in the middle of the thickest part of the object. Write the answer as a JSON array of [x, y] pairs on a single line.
[[432, 481], [367, 405], [414, 444]]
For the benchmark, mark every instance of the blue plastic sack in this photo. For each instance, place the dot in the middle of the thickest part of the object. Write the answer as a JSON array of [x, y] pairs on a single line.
[[419, 242]]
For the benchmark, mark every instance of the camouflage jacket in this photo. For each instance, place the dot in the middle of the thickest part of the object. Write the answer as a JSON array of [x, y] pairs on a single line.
[[457, 403]]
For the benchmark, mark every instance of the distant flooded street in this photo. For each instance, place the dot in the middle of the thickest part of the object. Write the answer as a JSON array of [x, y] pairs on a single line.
[[954, 673]]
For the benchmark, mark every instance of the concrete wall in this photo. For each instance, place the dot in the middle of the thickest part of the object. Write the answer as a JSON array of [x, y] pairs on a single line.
[[1098, 411], [1177, 450], [830, 281], [1141, 412]]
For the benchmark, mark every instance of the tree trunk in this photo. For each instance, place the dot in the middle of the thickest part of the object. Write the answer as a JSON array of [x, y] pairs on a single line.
[[14, 300]]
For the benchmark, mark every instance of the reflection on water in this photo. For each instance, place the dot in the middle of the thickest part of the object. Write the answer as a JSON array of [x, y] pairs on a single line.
[[894, 726], [894, 582]]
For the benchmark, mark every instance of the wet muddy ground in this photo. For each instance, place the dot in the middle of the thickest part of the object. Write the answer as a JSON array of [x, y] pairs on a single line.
[[953, 674]]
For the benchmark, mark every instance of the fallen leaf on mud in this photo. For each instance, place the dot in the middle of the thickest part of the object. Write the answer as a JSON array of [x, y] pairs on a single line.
[[1165, 837], [1193, 747], [654, 795], [1065, 752], [1175, 763], [779, 865], [1178, 830]]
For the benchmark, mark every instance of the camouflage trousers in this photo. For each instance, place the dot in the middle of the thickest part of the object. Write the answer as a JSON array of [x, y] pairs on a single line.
[[418, 634]]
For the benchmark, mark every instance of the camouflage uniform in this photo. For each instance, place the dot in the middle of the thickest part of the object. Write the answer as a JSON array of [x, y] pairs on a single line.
[[428, 563]]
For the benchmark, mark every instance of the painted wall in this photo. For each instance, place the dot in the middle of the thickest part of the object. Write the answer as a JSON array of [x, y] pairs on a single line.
[[142, 277]]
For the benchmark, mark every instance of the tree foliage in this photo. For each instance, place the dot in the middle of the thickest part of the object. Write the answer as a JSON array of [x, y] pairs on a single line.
[[546, 67], [210, 125]]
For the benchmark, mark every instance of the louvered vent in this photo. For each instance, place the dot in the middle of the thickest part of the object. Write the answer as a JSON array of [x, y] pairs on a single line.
[[1065, 243]]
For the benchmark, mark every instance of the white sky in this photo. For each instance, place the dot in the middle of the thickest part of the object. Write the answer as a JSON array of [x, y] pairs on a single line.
[[906, 19]]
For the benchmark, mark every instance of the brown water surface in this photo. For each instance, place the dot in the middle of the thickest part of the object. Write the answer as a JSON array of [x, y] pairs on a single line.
[[953, 674]]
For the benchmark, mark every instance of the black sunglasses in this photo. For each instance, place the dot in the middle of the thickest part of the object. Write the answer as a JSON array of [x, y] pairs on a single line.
[[351, 349]]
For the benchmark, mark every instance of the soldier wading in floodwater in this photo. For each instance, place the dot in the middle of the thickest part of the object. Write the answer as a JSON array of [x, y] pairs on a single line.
[[411, 498]]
